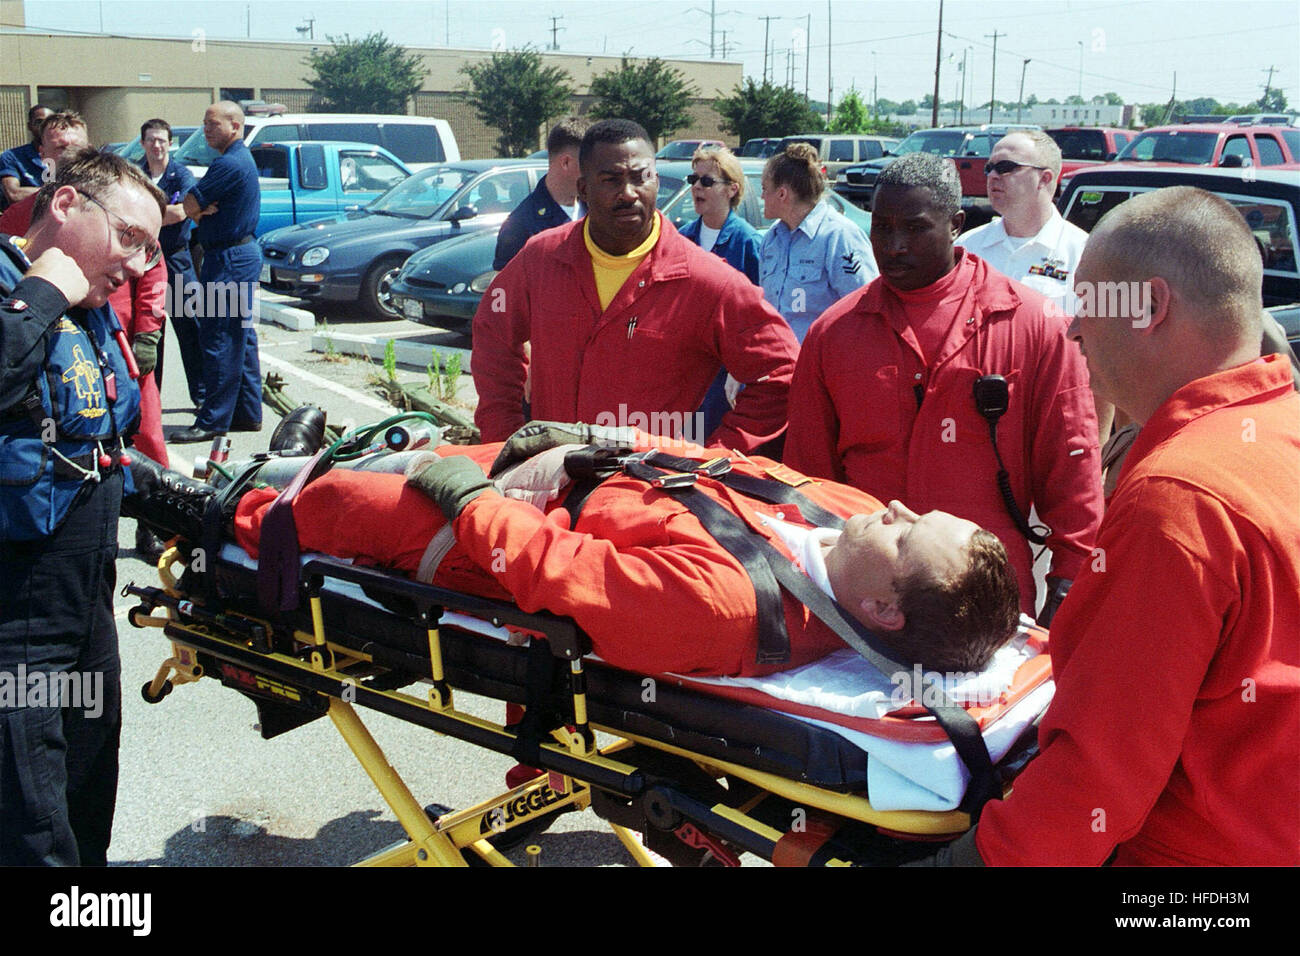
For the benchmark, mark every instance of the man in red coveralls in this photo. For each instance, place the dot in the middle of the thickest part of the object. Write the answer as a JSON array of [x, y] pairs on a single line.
[[1174, 735], [629, 323], [139, 304], [884, 393], [639, 573]]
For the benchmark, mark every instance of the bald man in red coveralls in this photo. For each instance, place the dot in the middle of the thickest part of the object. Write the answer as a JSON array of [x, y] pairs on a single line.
[[1174, 735]]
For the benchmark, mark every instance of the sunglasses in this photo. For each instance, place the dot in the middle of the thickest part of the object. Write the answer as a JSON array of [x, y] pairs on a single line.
[[132, 238], [1004, 166], [708, 182]]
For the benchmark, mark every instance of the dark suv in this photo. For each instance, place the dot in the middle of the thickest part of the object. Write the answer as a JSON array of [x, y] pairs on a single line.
[[967, 146]]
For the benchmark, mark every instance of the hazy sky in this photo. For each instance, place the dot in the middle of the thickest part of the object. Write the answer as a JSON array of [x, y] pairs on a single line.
[[1220, 49]]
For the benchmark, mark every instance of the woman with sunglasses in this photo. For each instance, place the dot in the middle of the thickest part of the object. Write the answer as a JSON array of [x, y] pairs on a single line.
[[717, 186], [812, 256]]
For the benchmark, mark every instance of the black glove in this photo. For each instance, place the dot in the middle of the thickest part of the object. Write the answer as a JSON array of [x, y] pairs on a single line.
[[451, 482], [145, 348], [536, 437], [1057, 589], [960, 852]]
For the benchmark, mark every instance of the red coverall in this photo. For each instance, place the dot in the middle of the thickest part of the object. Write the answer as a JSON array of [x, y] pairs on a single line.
[[140, 307], [854, 415], [1175, 730], [638, 573], [679, 318]]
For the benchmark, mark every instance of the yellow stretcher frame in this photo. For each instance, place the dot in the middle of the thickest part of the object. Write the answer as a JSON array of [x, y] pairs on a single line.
[[447, 840]]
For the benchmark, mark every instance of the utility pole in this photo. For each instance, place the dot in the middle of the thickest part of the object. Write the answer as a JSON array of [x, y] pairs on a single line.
[[807, 52], [1080, 42], [767, 29], [829, 85], [1268, 86], [962, 118], [713, 13], [1173, 98], [555, 29], [993, 83], [724, 43], [938, 59], [1021, 102]]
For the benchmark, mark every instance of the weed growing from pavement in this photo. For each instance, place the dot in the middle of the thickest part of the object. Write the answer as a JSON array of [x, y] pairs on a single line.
[[331, 353], [443, 380]]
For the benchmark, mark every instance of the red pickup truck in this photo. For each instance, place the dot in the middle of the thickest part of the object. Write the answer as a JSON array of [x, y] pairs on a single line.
[[1087, 145]]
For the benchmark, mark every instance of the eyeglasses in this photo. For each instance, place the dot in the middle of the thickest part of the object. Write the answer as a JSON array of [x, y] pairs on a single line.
[[132, 238], [1004, 166], [708, 182]]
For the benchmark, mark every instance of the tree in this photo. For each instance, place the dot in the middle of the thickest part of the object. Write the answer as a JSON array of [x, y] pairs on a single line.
[[753, 111], [514, 93], [851, 115], [1274, 101], [1074, 99], [906, 108], [654, 94], [370, 75], [1200, 106], [1113, 99]]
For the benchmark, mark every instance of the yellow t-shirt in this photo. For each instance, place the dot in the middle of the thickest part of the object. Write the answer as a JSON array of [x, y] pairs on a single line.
[[612, 271]]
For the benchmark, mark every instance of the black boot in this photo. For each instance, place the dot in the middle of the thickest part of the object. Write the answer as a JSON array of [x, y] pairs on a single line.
[[165, 500], [147, 544], [301, 433]]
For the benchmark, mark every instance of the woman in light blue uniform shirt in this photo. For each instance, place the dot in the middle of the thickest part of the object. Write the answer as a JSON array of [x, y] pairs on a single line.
[[812, 256], [717, 186]]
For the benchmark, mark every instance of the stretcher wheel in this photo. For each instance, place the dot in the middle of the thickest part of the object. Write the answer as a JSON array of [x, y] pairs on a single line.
[[149, 698]]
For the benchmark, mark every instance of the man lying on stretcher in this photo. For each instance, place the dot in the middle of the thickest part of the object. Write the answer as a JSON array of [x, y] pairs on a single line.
[[639, 573]]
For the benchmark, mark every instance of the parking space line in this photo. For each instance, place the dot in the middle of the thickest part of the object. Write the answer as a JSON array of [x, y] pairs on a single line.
[[351, 394]]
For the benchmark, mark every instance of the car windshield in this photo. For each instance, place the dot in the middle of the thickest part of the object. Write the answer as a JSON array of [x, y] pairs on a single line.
[[1172, 146], [684, 149], [1080, 143], [424, 194], [759, 148], [669, 188], [1271, 221], [941, 142], [195, 151]]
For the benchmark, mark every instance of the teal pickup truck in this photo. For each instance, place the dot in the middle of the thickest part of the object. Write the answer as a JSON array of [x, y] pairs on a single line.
[[302, 182]]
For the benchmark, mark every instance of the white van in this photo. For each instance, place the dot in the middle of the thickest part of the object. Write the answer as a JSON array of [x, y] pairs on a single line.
[[418, 141]]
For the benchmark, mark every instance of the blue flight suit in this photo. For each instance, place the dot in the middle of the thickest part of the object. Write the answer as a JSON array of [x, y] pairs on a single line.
[[175, 183], [806, 271], [738, 243], [66, 399], [538, 212], [232, 378], [23, 163]]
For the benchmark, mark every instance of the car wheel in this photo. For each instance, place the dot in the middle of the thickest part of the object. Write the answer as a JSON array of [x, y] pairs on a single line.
[[376, 290]]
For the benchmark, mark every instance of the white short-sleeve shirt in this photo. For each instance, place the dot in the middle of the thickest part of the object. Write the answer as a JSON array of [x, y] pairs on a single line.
[[1045, 262]]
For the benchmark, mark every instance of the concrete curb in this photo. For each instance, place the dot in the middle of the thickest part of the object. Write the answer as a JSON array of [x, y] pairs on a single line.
[[282, 312]]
